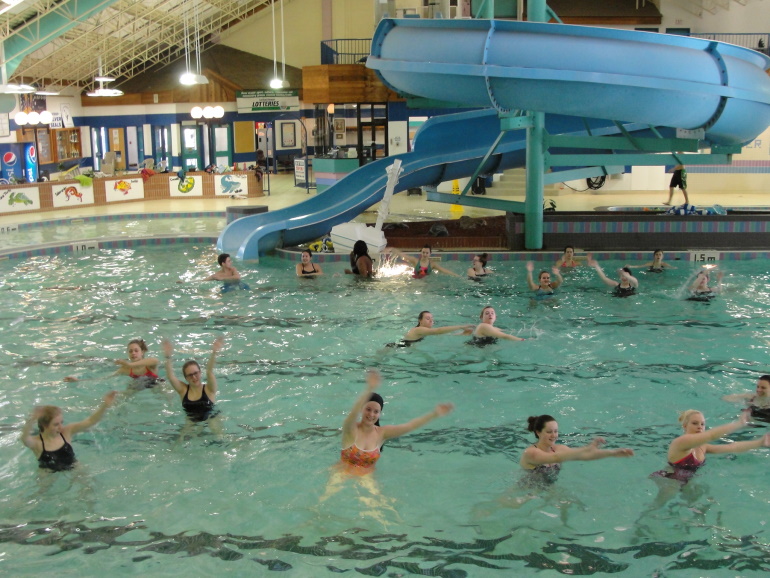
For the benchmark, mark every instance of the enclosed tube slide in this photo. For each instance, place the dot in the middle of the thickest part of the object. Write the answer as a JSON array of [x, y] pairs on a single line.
[[570, 72]]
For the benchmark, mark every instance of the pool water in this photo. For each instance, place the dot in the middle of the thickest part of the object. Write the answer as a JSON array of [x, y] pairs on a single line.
[[113, 227], [154, 496]]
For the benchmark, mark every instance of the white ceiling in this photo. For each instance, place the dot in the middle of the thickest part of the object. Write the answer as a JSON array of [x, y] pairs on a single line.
[[131, 36]]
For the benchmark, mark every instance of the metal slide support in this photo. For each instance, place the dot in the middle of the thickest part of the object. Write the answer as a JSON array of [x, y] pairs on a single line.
[[533, 202], [490, 152]]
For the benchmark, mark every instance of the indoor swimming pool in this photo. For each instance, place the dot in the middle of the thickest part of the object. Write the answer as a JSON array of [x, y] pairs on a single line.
[[153, 495]]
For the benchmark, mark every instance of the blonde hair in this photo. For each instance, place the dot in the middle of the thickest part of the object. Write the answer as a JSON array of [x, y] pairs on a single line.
[[47, 413], [685, 415]]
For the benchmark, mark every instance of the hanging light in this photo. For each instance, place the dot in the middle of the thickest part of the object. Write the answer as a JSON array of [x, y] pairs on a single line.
[[190, 76], [101, 79], [276, 82], [33, 118]]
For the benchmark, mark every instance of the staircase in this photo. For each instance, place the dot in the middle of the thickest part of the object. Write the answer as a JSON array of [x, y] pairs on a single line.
[[697, 7], [513, 183]]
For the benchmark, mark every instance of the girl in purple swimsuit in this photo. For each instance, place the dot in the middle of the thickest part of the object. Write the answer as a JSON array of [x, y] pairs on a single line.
[[688, 452]]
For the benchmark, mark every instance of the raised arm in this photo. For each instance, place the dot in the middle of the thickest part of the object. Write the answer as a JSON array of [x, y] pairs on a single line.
[[593, 263], [683, 444], [211, 380], [26, 433], [530, 280], [94, 418], [394, 431], [397, 253], [373, 381], [168, 350]]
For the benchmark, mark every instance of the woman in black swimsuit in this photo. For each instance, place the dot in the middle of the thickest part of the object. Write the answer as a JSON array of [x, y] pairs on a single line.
[[627, 285], [307, 268], [52, 444], [197, 397]]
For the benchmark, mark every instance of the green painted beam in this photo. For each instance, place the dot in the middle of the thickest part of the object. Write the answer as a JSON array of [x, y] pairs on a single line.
[[515, 122], [635, 159], [480, 202], [40, 32], [622, 143], [574, 174]]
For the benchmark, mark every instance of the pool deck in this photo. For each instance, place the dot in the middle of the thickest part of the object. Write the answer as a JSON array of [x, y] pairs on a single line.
[[403, 207]]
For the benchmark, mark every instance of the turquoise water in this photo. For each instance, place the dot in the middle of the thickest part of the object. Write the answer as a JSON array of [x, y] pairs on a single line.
[[151, 497]]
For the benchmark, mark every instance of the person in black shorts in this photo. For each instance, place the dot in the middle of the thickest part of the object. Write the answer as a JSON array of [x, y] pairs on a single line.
[[679, 179]]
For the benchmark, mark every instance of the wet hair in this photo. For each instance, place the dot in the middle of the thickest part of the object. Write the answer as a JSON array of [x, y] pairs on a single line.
[[309, 253], [764, 378], [485, 308], [627, 270], [420, 316], [657, 251], [428, 247], [188, 364], [569, 247], [483, 258], [48, 413], [222, 258], [536, 423], [541, 274], [378, 398], [360, 248], [685, 415], [140, 342]]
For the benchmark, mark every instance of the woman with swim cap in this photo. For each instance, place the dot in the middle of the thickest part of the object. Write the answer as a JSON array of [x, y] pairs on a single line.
[[542, 460]]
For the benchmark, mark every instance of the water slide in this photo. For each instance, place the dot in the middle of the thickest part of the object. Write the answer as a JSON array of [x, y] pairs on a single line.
[[584, 79]]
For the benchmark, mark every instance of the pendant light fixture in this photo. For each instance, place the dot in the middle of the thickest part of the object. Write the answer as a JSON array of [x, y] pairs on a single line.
[[277, 83], [192, 77], [101, 79]]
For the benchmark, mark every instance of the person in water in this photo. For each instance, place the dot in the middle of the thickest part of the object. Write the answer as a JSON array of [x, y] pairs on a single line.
[[687, 453], [226, 272], [542, 460], [700, 290], [544, 287], [486, 333], [197, 397], [478, 269], [362, 438], [657, 265], [425, 327], [758, 402], [360, 262], [423, 266], [52, 445], [568, 259], [306, 268], [627, 285], [143, 369]]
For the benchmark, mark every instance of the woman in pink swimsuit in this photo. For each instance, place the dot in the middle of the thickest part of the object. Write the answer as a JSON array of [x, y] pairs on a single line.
[[688, 452]]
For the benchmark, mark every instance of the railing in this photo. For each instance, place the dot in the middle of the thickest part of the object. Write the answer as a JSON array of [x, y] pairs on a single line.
[[759, 41], [345, 50]]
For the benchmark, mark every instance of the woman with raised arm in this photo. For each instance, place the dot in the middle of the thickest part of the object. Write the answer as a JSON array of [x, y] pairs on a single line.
[[362, 434], [52, 446], [425, 327], [627, 285], [542, 460], [486, 333], [687, 453], [197, 397], [306, 268], [423, 266], [700, 289], [544, 288]]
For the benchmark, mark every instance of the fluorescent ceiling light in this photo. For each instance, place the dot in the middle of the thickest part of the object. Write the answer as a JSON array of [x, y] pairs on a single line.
[[105, 92], [190, 79], [101, 78]]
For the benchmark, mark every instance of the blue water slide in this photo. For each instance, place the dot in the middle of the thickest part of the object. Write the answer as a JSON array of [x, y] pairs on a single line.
[[570, 72]]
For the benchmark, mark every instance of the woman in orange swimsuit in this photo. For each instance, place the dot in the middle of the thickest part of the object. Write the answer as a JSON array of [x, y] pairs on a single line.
[[688, 452], [362, 440]]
